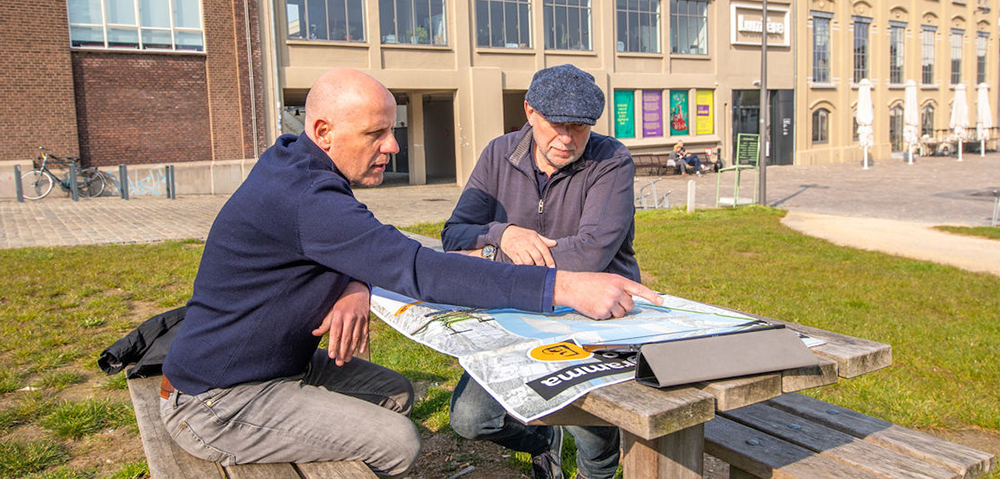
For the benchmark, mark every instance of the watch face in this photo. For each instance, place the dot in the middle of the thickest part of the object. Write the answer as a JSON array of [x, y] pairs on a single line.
[[489, 252]]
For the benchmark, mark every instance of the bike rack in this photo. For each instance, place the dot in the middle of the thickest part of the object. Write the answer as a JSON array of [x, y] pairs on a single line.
[[640, 200]]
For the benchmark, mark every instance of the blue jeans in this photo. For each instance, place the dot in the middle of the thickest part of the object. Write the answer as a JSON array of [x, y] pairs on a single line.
[[693, 161], [476, 415], [357, 412]]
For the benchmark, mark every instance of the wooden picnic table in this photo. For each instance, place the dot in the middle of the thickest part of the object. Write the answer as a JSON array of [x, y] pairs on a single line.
[[663, 430]]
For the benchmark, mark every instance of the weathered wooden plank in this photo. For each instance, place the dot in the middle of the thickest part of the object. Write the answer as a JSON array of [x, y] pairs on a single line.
[[738, 392], [570, 415], [648, 412], [809, 377], [165, 458], [835, 444], [262, 471], [763, 455], [966, 461], [679, 455], [335, 470]]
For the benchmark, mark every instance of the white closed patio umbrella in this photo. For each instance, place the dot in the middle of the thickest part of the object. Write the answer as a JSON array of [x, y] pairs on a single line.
[[911, 120], [865, 115], [959, 117], [984, 116]]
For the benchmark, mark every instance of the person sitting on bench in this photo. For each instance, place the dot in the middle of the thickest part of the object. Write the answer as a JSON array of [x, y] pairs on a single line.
[[682, 157], [291, 257]]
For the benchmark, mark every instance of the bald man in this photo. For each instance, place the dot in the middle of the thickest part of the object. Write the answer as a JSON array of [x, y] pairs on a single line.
[[290, 258]]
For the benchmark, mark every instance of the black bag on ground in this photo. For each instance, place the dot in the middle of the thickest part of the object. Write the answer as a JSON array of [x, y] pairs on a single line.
[[146, 346]]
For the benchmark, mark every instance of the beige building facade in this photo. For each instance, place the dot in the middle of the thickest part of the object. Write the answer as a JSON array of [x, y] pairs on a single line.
[[671, 70], [938, 44]]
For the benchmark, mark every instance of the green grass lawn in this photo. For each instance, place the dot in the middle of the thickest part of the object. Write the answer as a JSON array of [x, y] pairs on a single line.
[[989, 232], [59, 307]]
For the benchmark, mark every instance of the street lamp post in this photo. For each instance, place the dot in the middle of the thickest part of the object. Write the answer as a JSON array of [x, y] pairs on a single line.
[[764, 109]]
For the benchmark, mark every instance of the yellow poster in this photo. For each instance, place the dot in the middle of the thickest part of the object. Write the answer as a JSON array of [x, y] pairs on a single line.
[[705, 105]]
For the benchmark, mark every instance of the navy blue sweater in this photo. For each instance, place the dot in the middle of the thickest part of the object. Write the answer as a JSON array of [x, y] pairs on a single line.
[[281, 252]]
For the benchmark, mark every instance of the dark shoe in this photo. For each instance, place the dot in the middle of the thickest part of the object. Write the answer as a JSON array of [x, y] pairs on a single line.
[[548, 465]]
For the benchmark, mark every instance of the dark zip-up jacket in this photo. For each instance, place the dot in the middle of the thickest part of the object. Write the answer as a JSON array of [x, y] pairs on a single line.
[[282, 251], [587, 206]]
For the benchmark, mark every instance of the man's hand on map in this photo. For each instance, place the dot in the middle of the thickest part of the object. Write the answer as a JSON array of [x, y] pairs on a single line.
[[599, 295], [524, 246], [347, 323]]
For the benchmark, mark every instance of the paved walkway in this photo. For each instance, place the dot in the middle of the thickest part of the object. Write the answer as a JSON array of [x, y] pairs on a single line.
[[888, 207]]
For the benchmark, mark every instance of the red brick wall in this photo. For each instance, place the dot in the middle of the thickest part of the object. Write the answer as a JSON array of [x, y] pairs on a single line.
[[36, 80], [137, 108]]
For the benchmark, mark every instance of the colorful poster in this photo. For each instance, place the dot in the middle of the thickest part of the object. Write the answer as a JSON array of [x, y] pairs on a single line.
[[705, 104], [652, 113], [678, 112], [624, 114]]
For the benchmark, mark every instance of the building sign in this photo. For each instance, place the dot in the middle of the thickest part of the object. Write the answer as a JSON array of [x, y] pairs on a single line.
[[747, 25], [678, 112], [652, 113], [704, 122], [747, 149], [624, 114]]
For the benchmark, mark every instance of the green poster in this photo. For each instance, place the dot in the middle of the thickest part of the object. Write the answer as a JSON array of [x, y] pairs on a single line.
[[678, 112], [624, 114]]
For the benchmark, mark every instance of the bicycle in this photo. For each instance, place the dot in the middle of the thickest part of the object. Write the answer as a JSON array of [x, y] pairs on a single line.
[[38, 183]]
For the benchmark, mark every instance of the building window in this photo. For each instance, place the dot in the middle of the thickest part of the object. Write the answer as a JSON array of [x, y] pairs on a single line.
[[956, 56], [896, 52], [854, 126], [337, 20], [638, 26], [981, 40], [896, 128], [415, 22], [567, 24], [861, 48], [174, 25], [821, 126], [503, 23], [927, 121], [927, 56], [821, 49], [689, 27]]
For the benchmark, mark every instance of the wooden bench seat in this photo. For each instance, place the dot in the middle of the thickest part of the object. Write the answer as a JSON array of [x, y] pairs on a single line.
[[167, 460], [798, 436]]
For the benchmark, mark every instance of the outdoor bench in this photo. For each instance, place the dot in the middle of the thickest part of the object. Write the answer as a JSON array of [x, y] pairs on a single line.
[[665, 164], [799, 436]]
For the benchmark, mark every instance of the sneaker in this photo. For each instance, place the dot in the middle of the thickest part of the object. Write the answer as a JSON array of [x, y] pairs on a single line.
[[548, 465]]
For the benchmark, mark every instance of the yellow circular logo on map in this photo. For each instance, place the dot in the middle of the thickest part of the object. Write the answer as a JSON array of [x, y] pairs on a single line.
[[564, 351]]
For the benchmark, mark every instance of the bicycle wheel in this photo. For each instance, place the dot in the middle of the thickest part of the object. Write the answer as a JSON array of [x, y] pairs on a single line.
[[36, 184], [90, 183]]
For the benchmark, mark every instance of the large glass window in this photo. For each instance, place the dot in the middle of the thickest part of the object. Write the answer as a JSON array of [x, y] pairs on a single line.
[[689, 27], [417, 22], [927, 56], [981, 40], [896, 128], [337, 20], [567, 24], [503, 23], [861, 25], [821, 49], [136, 24], [896, 52], [956, 56], [927, 121], [821, 126], [638, 26]]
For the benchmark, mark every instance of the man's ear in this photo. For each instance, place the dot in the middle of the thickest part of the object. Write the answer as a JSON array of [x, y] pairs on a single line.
[[528, 110], [322, 134]]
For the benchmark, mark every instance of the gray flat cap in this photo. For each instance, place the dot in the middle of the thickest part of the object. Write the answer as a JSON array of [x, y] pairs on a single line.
[[566, 94]]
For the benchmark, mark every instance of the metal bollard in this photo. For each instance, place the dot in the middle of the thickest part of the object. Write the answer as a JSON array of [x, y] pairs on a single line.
[[996, 207], [73, 187], [17, 184], [173, 183], [123, 181]]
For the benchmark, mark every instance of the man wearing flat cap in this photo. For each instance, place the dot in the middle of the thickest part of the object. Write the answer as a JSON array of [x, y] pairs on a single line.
[[552, 194]]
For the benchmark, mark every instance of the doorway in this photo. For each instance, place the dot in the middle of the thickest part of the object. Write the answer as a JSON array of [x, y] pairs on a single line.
[[746, 119]]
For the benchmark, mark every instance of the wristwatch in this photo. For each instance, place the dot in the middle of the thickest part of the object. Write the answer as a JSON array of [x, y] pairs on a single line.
[[489, 252]]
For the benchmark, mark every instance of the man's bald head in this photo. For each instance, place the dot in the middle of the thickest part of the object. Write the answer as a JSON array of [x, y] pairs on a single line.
[[351, 116]]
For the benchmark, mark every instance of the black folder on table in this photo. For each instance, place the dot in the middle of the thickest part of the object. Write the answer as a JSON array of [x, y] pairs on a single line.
[[684, 361]]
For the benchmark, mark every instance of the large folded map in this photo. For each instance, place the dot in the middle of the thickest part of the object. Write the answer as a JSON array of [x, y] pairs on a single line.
[[535, 364]]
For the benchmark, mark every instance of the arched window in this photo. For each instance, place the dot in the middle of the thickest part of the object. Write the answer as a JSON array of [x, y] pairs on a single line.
[[896, 128], [927, 121], [821, 126]]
